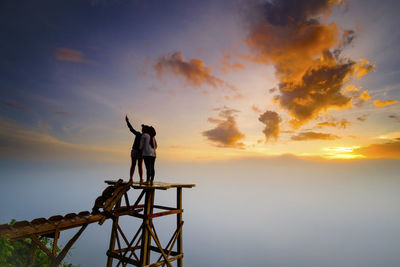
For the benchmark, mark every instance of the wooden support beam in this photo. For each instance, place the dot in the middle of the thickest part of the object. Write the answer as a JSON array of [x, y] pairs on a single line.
[[148, 203], [179, 231], [111, 254], [171, 259], [137, 215], [68, 246], [132, 249], [156, 249], [164, 207], [179, 223], [32, 255], [123, 235], [164, 213], [138, 200], [158, 244], [55, 240], [42, 246], [113, 236], [126, 199], [171, 243]]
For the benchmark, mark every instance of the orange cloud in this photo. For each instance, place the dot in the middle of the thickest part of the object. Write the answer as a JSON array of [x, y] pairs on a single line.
[[389, 149], [363, 68], [226, 133], [360, 98], [365, 96], [334, 123], [351, 88], [271, 120], [319, 90], [305, 136], [71, 55], [194, 70], [306, 56], [384, 103]]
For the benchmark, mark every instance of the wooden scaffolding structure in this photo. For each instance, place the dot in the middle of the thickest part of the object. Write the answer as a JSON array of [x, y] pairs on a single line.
[[146, 233], [113, 203]]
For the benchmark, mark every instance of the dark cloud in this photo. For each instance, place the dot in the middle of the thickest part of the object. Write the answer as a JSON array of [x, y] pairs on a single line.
[[226, 132], [362, 118], [394, 117], [271, 120], [304, 136], [305, 53], [194, 70]]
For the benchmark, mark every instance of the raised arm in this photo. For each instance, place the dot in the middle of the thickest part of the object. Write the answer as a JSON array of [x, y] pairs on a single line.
[[130, 126]]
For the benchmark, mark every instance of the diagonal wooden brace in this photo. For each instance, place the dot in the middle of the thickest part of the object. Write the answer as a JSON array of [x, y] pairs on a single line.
[[158, 244]]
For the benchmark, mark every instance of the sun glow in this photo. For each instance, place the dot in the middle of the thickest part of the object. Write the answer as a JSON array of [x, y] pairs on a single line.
[[342, 152]]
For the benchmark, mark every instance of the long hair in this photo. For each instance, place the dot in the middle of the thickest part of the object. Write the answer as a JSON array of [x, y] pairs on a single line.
[[152, 133]]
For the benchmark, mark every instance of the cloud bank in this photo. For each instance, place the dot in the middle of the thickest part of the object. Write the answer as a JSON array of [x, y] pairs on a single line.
[[305, 136], [390, 149]]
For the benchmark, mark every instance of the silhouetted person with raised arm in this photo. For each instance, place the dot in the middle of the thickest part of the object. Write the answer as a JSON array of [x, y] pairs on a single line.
[[136, 153], [148, 145]]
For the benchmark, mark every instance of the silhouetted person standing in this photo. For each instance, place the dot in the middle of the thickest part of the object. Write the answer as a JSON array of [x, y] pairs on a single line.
[[148, 145], [136, 153]]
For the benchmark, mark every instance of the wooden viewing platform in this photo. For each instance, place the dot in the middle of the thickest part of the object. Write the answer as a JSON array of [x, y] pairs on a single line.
[[110, 206]]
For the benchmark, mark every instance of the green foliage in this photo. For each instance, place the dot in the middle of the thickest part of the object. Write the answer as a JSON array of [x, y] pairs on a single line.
[[17, 253]]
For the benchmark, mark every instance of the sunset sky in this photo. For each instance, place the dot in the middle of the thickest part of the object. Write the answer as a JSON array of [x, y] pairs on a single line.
[[217, 79], [283, 111]]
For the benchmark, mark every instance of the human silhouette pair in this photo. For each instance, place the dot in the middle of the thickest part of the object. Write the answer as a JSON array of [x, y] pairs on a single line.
[[143, 149]]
